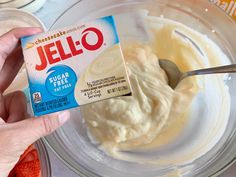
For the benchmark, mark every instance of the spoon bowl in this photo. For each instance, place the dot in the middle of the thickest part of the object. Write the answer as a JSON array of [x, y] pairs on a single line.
[[175, 76]]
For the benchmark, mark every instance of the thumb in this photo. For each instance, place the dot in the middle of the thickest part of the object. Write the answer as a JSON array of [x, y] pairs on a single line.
[[17, 137], [30, 130]]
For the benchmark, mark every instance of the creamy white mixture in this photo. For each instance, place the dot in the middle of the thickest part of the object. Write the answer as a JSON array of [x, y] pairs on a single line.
[[155, 114], [136, 120]]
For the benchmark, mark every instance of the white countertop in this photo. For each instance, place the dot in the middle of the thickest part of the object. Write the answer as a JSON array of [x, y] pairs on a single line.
[[48, 14]]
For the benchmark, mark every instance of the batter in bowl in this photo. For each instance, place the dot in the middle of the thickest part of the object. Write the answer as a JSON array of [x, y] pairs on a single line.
[[126, 122], [155, 114]]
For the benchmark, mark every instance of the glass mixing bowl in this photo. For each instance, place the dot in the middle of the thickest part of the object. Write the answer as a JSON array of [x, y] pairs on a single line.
[[72, 144], [28, 5], [44, 159]]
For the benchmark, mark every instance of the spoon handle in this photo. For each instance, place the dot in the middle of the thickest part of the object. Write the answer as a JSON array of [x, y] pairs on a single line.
[[220, 69]]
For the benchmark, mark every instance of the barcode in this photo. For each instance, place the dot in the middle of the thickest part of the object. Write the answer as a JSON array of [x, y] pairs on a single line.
[[118, 89]]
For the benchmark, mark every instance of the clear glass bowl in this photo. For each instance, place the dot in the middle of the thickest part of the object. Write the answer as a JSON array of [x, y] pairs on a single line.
[[28, 5], [71, 143], [44, 159]]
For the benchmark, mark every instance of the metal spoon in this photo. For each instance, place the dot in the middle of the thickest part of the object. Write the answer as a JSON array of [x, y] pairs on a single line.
[[175, 76]]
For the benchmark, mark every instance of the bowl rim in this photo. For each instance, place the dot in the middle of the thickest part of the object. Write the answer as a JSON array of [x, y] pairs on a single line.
[[25, 13], [46, 170]]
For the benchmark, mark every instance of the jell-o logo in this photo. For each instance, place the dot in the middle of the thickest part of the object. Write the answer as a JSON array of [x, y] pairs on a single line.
[[55, 51]]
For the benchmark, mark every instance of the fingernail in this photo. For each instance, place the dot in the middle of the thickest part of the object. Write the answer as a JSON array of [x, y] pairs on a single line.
[[64, 117], [37, 30]]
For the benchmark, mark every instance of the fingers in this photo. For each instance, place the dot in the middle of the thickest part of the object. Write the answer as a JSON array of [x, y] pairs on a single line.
[[10, 68], [9, 41], [11, 57], [2, 121], [3, 111], [32, 129], [13, 107], [16, 106]]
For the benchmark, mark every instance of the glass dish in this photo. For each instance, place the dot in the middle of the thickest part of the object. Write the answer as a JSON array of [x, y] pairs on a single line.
[[15, 3], [28, 5], [71, 142], [44, 159]]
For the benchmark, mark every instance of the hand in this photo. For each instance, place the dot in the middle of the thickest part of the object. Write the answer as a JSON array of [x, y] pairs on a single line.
[[16, 132]]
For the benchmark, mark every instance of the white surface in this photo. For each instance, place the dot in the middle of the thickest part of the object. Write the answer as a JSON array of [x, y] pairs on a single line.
[[51, 10]]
